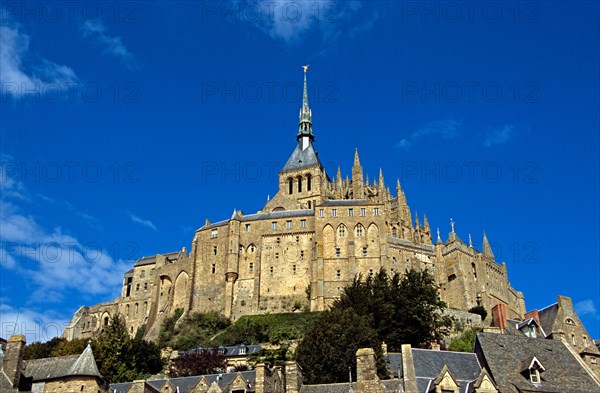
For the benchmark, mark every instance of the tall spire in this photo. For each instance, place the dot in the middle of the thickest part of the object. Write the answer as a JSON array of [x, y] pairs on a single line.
[[305, 135], [487, 249], [356, 158]]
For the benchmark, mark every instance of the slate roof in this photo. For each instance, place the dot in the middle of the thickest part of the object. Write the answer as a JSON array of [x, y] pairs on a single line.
[[391, 386], [5, 384], [302, 159], [347, 202], [57, 367], [504, 355], [152, 259], [266, 216], [463, 366], [228, 351], [186, 384], [547, 317]]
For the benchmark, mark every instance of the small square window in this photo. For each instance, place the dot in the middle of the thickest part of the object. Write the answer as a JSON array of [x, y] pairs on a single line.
[[302, 224], [351, 212], [333, 212], [214, 233], [274, 225], [247, 228], [376, 211], [288, 224], [321, 213], [363, 211]]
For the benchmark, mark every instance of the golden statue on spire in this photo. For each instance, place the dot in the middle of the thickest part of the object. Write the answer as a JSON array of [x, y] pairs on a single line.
[[305, 67]]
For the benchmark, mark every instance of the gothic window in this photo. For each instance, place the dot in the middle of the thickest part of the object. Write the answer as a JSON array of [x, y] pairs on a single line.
[[299, 183], [105, 321], [308, 185], [290, 186], [394, 232], [359, 230], [342, 231], [302, 223], [288, 224], [135, 312], [126, 313], [363, 211]]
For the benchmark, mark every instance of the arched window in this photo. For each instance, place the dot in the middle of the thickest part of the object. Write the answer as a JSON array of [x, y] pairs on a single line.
[[309, 204], [342, 230], [308, 180], [299, 183], [290, 185], [105, 321], [394, 232], [359, 230]]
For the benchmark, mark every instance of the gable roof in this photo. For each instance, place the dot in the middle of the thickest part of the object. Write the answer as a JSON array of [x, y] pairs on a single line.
[[463, 366], [505, 356], [186, 384], [548, 316]]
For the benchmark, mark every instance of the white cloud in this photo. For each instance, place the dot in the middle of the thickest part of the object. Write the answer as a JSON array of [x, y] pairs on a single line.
[[439, 129], [586, 307], [36, 326], [141, 221], [52, 262], [22, 72], [112, 45], [290, 20], [499, 135]]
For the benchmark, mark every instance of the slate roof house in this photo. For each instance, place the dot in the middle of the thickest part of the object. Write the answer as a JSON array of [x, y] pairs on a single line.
[[76, 373], [526, 364]]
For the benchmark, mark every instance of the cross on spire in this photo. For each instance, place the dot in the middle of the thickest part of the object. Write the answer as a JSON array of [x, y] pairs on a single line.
[[452, 224]]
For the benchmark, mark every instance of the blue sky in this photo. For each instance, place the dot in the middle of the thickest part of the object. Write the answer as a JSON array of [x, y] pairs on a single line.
[[125, 125]]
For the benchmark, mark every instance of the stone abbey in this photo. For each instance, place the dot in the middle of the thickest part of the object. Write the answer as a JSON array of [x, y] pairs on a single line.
[[300, 250]]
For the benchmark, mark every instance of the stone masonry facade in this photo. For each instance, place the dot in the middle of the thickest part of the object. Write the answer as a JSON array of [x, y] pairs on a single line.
[[313, 237]]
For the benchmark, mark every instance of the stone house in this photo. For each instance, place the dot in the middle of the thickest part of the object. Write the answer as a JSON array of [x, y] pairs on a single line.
[[77, 373]]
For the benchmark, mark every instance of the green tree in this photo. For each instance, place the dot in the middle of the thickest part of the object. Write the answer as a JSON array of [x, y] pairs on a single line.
[[402, 310], [465, 342], [122, 359], [39, 350], [73, 347], [209, 361], [328, 350]]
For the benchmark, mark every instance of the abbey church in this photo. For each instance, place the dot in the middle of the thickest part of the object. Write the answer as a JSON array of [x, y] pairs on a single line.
[[308, 242]]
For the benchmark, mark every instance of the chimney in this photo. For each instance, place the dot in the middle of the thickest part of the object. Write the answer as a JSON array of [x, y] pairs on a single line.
[[408, 370], [366, 371], [535, 315], [259, 382], [293, 377], [435, 346], [12, 363], [499, 316]]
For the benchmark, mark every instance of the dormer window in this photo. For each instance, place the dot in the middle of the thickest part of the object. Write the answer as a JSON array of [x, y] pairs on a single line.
[[534, 376], [532, 368]]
